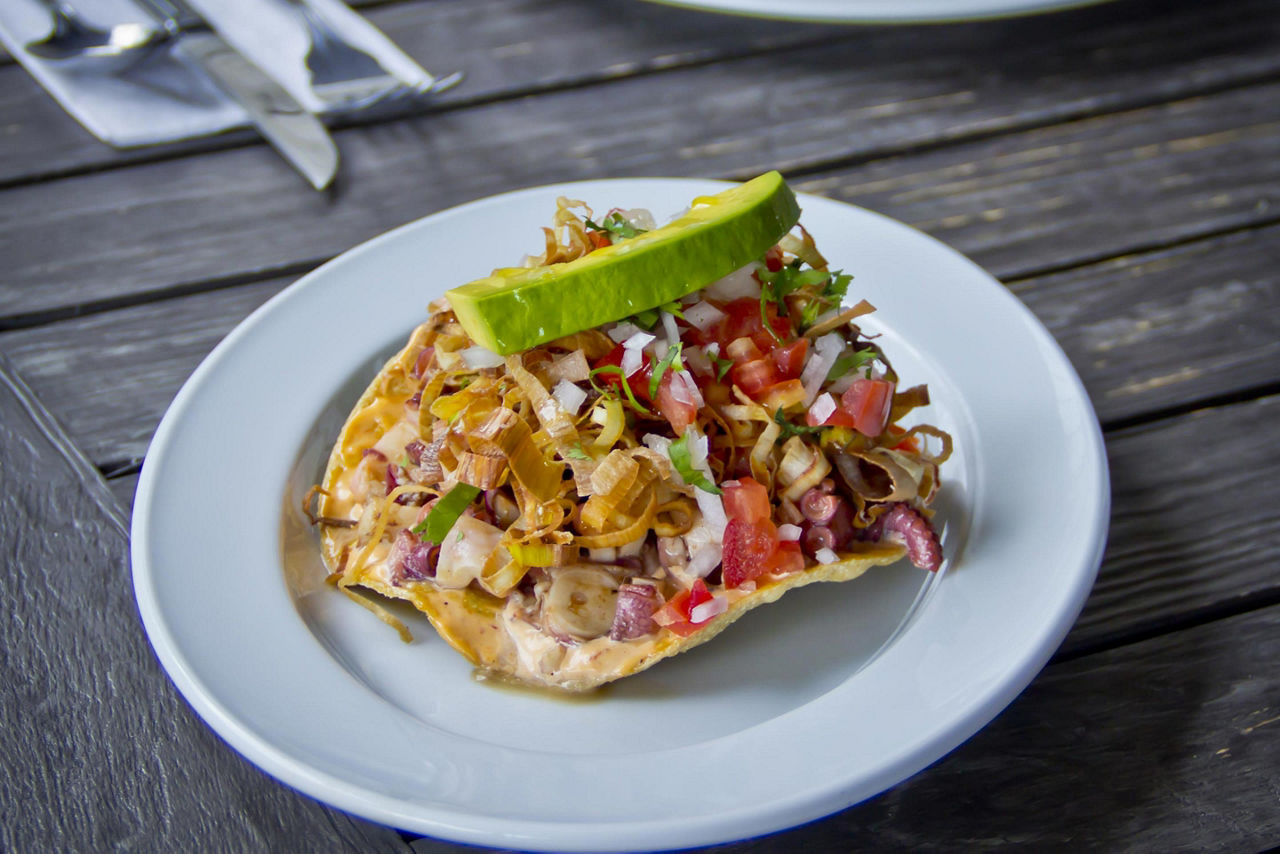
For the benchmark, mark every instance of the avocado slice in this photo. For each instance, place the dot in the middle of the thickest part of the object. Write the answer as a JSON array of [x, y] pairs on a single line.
[[514, 309]]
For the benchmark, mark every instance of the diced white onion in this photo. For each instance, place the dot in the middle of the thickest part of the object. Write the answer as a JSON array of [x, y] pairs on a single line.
[[658, 443], [633, 548], [685, 390], [703, 315], [569, 396], [712, 511], [605, 555], [826, 350], [739, 283], [697, 360], [712, 350], [698, 448], [789, 533], [669, 326], [822, 408], [478, 357], [704, 559], [841, 384], [639, 340], [705, 611], [623, 331], [826, 556], [639, 218], [632, 360]]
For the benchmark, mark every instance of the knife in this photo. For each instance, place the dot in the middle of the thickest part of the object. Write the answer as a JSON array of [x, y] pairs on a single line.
[[299, 136]]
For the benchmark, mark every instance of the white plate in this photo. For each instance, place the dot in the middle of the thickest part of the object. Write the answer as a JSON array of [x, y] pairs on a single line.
[[826, 698], [880, 11]]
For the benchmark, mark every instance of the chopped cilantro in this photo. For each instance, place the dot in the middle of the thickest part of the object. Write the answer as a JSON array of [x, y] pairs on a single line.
[[722, 366], [615, 226], [648, 318], [445, 513], [854, 361], [577, 453], [626, 386], [682, 460], [789, 429], [671, 360]]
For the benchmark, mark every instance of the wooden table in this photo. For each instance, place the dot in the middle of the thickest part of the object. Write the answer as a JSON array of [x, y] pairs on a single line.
[[1117, 167]]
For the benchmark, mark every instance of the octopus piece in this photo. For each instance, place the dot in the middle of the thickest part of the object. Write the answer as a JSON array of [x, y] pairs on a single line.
[[905, 526]]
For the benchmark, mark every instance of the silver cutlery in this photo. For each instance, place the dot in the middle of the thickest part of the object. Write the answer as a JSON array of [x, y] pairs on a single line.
[[347, 78], [283, 122], [73, 38]]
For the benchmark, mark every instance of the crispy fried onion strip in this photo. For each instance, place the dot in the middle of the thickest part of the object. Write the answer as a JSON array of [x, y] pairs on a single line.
[[675, 518], [557, 423], [761, 458], [638, 527], [506, 435]]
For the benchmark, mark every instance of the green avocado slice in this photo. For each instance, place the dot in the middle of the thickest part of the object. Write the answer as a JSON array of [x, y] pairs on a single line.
[[517, 308]]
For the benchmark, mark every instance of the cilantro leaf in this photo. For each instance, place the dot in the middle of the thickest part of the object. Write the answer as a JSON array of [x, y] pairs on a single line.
[[682, 461], [577, 453], [854, 361], [722, 366], [615, 226], [671, 359], [445, 513], [646, 319], [789, 429], [626, 386]]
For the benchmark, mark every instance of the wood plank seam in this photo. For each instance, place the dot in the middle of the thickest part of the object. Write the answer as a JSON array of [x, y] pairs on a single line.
[[92, 479]]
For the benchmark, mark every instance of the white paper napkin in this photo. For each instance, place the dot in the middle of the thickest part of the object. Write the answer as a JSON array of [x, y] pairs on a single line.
[[161, 99]]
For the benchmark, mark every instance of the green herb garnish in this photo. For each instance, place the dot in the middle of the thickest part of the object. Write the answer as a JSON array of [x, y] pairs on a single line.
[[615, 226], [722, 366], [445, 513], [682, 460], [856, 360], [626, 386], [577, 453], [789, 429], [670, 360]]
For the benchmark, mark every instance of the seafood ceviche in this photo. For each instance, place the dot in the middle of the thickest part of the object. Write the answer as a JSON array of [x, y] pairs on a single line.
[[573, 512]]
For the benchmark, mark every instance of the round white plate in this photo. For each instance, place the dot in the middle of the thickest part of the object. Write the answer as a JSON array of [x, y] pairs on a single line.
[[802, 708], [880, 11]]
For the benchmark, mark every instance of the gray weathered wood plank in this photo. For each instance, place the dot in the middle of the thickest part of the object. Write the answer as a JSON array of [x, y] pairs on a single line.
[[1166, 745], [504, 48], [1193, 522], [944, 81], [100, 751], [1019, 203]]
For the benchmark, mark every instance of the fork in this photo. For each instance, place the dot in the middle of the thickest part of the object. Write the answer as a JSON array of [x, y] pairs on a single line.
[[345, 77]]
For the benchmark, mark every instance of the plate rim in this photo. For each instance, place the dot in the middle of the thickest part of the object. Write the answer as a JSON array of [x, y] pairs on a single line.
[[879, 12], [804, 806]]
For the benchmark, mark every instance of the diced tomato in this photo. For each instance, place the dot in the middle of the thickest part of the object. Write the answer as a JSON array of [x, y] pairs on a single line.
[[754, 376], [743, 350], [907, 444], [837, 418], [747, 548], [788, 558], [781, 395], [868, 402], [675, 614], [742, 319], [773, 259], [680, 413], [746, 499], [637, 379], [599, 239], [790, 358]]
